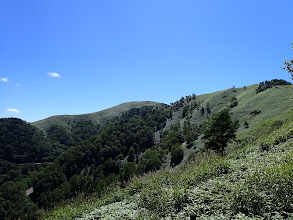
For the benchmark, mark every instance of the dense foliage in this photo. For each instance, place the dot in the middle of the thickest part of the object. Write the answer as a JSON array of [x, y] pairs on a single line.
[[95, 163], [63, 138], [23, 150], [22, 143]]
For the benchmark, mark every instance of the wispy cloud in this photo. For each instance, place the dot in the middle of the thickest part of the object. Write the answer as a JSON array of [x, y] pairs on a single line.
[[13, 110], [51, 74], [4, 79]]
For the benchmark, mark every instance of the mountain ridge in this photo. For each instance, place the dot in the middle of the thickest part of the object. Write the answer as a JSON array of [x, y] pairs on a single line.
[[99, 117]]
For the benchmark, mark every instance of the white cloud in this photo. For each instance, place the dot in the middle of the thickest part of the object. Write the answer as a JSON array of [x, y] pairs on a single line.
[[4, 79], [12, 110], [53, 74]]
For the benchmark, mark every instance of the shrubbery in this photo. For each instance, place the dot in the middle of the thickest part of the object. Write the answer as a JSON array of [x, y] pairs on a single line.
[[269, 84]]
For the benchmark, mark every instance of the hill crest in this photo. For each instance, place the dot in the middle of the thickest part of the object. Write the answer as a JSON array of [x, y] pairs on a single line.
[[100, 117]]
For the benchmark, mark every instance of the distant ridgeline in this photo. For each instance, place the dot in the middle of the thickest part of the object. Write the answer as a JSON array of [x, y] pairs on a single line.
[[269, 84]]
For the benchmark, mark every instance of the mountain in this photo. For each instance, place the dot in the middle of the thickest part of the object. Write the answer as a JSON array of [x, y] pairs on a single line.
[[252, 182], [98, 118], [94, 152]]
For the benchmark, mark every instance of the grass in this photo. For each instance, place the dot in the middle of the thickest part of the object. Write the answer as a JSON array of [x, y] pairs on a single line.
[[270, 103], [254, 182]]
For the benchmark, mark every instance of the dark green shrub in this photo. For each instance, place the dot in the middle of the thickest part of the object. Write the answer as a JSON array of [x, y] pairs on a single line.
[[255, 112], [246, 125], [234, 104], [264, 146]]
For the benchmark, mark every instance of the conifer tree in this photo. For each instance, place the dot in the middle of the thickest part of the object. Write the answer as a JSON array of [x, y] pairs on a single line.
[[219, 131]]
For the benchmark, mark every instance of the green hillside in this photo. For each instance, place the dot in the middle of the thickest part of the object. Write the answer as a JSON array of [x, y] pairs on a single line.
[[272, 102], [254, 182], [101, 117], [151, 150]]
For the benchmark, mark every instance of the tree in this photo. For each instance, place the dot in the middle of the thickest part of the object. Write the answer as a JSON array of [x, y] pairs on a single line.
[[202, 111], [185, 111], [288, 65], [220, 131], [233, 102], [131, 153], [177, 154], [246, 125], [208, 108]]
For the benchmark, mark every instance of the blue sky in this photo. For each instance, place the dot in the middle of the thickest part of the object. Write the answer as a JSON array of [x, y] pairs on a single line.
[[73, 57]]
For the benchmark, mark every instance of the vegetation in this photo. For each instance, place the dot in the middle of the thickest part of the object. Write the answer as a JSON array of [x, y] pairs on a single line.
[[23, 150], [95, 163], [234, 102], [219, 131], [249, 183], [269, 84], [288, 65], [100, 118], [177, 154], [146, 160], [22, 143]]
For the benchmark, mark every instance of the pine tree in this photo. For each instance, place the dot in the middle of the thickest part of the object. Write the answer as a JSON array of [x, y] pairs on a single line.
[[220, 130]]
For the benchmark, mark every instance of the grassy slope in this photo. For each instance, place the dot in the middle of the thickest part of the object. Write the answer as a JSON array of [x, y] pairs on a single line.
[[100, 117], [275, 104], [271, 102], [254, 182]]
